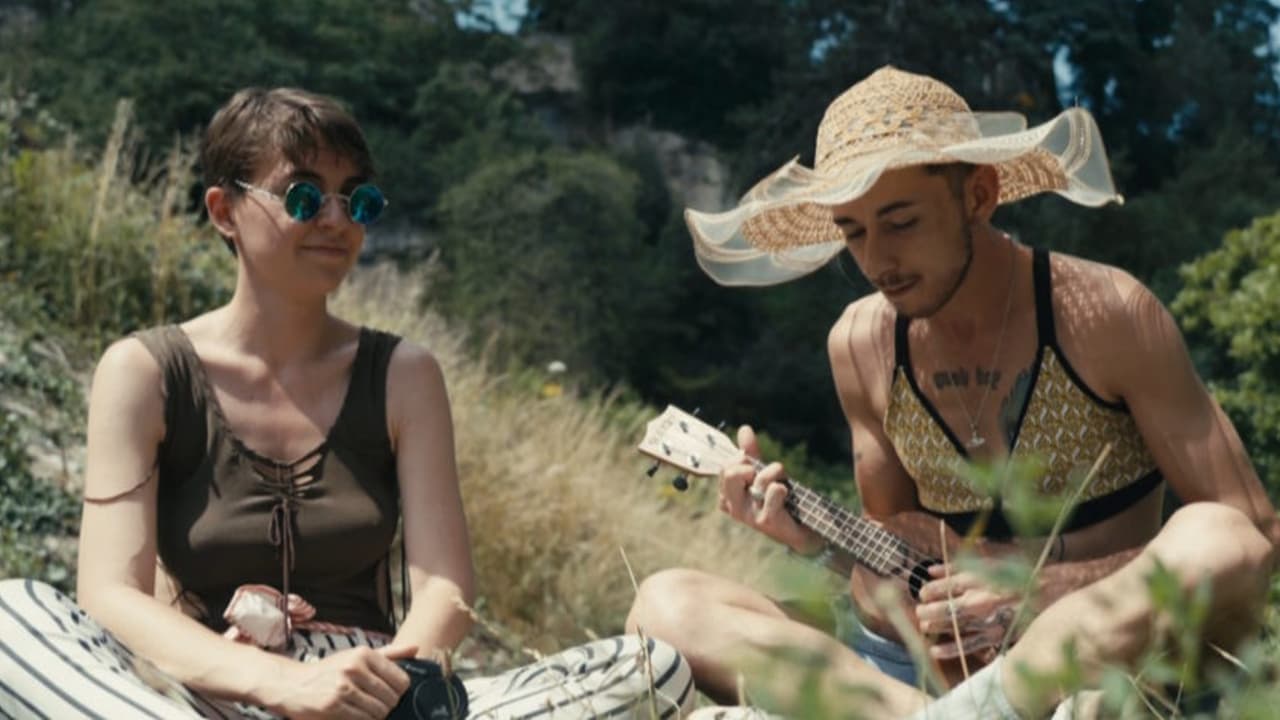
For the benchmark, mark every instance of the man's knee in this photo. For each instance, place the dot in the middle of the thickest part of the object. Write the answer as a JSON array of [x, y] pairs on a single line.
[[1214, 539], [666, 600], [1219, 544]]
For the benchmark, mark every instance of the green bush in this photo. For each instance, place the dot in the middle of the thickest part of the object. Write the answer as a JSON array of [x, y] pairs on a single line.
[[1230, 308], [37, 518]]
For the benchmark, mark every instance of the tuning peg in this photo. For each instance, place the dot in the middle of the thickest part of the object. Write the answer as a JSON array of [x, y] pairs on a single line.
[[680, 482], [721, 425], [653, 469], [696, 411]]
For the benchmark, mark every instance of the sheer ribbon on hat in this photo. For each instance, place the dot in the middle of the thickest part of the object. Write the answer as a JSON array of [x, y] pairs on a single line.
[[782, 228]]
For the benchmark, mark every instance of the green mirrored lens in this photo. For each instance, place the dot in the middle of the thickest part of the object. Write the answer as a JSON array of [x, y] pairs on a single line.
[[366, 204], [302, 201]]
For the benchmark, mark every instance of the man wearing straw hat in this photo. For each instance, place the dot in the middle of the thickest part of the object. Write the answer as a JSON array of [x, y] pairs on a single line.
[[975, 349]]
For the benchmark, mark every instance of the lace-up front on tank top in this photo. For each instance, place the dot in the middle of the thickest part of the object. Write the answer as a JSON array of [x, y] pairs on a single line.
[[290, 484]]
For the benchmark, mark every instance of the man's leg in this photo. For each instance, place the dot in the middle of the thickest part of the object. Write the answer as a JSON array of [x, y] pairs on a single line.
[[1114, 621], [725, 629]]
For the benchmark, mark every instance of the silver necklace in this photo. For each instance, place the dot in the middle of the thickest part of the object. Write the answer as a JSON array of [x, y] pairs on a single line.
[[976, 440]]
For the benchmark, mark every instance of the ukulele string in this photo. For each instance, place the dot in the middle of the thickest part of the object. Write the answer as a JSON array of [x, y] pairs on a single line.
[[884, 546], [900, 561]]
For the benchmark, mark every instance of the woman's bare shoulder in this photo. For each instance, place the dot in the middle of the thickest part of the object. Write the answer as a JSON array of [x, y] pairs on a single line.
[[128, 361]]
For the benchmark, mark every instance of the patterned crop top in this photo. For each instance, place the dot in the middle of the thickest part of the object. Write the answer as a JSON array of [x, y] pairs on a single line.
[[1063, 424]]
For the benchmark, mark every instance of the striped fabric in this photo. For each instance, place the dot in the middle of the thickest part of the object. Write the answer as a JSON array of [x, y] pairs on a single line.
[[608, 678], [56, 662]]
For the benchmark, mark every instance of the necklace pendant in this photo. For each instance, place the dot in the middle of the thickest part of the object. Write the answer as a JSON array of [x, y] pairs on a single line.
[[975, 441]]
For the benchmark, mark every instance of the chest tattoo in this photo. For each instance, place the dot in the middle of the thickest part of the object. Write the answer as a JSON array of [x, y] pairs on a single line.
[[1013, 404], [961, 378]]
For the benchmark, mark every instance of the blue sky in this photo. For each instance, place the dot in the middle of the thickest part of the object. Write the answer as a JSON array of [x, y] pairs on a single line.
[[505, 14]]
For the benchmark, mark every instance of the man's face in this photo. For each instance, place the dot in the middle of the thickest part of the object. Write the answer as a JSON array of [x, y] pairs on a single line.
[[910, 239]]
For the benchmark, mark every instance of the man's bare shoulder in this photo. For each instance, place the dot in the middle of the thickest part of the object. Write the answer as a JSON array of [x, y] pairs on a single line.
[[1099, 308], [860, 346], [864, 327], [1091, 297], [1077, 273]]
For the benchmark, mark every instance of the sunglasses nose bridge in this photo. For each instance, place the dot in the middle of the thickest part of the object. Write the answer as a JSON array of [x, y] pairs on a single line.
[[339, 205]]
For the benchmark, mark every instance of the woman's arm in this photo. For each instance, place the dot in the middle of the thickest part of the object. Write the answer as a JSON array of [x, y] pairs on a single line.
[[117, 557], [437, 548]]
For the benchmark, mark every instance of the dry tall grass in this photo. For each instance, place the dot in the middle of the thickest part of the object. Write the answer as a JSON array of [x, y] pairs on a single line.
[[554, 487], [103, 246]]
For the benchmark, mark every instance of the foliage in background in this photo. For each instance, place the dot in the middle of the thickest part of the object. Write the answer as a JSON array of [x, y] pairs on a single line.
[[682, 66], [1184, 90], [86, 247], [179, 63], [93, 245], [1231, 309], [558, 470], [466, 120], [543, 252], [38, 520]]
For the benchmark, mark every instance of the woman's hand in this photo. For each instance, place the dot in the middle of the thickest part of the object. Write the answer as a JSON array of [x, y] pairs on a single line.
[[756, 498], [352, 684]]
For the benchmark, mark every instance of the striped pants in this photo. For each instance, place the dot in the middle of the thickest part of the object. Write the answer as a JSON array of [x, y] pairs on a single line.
[[56, 662]]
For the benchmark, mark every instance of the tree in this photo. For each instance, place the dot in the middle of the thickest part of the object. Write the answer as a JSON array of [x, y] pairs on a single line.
[[1165, 75], [681, 66], [463, 121], [179, 62], [543, 252]]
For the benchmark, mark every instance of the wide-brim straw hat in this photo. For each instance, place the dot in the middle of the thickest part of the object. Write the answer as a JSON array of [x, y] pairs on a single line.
[[783, 228]]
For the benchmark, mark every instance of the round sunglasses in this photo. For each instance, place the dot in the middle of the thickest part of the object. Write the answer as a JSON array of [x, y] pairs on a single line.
[[303, 200]]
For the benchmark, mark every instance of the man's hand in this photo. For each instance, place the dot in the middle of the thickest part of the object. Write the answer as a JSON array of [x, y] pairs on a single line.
[[962, 601], [983, 614], [756, 498]]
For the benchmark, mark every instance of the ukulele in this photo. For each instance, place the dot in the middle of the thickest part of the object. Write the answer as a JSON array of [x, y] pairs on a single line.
[[681, 440]]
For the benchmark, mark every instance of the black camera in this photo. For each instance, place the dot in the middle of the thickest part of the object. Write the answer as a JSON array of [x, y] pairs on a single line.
[[431, 695]]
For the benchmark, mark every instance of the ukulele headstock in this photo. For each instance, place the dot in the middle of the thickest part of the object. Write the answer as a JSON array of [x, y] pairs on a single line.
[[681, 440]]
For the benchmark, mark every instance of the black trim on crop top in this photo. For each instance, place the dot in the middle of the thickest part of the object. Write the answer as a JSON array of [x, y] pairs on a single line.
[[1086, 513]]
